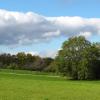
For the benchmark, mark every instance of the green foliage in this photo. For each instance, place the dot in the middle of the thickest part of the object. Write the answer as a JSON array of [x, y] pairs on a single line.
[[24, 61], [12, 66], [52, 67], [77, 57]]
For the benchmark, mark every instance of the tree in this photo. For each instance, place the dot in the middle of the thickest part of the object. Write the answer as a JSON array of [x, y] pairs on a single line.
[[38, 64], [77, 58], [52, 67], [21, 58]]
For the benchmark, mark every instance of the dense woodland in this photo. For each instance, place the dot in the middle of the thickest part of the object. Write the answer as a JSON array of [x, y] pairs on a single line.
[[24, 61], [78, 59]]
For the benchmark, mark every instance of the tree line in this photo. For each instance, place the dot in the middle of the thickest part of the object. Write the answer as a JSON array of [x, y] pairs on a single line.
[[22, 61]]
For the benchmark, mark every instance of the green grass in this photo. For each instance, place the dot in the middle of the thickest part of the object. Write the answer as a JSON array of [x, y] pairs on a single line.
[[25, 85]]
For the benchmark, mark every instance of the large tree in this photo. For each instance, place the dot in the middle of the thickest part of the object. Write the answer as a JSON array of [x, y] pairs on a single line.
[[79, 58]]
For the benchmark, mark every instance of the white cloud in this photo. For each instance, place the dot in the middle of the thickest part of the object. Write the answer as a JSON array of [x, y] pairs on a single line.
[[28, 28], [86, 34], [32, 53], [50, 34], [49, 53]]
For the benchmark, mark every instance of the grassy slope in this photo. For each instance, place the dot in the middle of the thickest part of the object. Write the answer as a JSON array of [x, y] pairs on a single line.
[[30, 86]]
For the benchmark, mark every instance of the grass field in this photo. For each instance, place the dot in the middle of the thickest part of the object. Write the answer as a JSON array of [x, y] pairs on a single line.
[[25, 85]]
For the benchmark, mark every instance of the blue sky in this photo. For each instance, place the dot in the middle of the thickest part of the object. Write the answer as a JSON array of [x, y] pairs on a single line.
[[84, 8], [50, 8]]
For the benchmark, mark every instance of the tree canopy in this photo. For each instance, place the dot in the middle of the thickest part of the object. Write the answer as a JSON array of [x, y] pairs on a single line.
[[24, 61], [79, 59]]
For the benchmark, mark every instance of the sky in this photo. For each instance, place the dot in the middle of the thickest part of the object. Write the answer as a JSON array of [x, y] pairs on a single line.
[[41, 26]]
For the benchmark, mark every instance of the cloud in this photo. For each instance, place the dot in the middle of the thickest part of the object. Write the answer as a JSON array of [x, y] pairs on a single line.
[[32, 53], [18, 28], [86, 34], [49, 53]]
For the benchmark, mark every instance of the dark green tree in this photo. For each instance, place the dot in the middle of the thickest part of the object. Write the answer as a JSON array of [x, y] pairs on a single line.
[[77, 58], [21, 58]]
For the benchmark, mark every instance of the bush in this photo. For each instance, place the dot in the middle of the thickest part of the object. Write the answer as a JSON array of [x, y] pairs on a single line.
[[12, 66]]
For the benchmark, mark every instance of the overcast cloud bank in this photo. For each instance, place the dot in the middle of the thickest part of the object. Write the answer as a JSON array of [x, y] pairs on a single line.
[[29, 28]]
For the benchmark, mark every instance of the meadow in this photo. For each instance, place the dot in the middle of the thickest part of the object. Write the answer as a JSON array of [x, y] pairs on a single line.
[[28, 85]]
